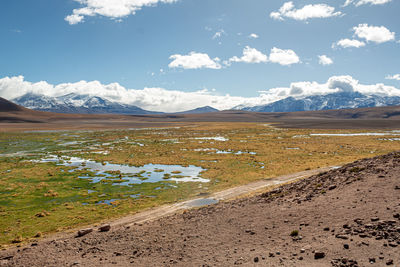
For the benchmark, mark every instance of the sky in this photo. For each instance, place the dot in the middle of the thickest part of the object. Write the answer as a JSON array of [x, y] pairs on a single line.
[[174, 55]]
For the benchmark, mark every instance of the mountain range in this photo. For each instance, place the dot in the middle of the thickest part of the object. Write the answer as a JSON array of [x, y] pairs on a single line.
[[87, 104], [341, 100]]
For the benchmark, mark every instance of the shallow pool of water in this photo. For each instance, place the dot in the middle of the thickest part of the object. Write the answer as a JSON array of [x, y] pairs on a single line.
[[201, 202], [128, 175]]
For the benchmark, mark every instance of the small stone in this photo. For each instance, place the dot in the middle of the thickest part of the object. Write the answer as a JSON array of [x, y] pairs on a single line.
[[271, 255], [346, 246], [300, 258], [371, 260], [302, 250], [341, 236], [389, 262], [374, 219], [319, 255], [256, 259], [332, 187], [83, 232], [392, 244], [396, 215], [326, 229], [105, 228]]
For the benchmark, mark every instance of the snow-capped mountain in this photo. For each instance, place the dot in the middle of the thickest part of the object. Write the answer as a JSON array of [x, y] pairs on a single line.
[[342, 100], [74, 103]]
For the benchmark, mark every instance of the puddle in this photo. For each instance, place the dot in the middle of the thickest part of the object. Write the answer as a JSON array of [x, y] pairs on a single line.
[[125, 175], [201, 202], [215, 138], [234, 152], [217, 151], [292, 148]]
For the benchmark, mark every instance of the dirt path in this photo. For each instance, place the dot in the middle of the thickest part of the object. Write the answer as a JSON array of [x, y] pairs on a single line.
[[348, 216], [224, 195]]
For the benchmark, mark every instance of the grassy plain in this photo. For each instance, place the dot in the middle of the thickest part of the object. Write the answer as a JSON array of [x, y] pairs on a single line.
[[39, 198]]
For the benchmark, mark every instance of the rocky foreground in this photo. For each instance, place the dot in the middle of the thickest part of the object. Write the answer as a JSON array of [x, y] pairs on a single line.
[[345, 217]]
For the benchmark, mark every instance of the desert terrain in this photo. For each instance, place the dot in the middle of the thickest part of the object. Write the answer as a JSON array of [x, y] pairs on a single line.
[[221, 189]]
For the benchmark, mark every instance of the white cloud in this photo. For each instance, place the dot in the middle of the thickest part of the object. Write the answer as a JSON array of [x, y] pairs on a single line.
[[346, 43], [393, 77], [288, 10], [160, 99], [374, 33], [250, 55], [365, 2], [253, 36], [194, 61], [325, 60], [115, 9], [283, 57]]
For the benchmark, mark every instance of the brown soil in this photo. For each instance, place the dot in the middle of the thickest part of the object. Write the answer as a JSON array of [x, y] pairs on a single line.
[[347, 217]]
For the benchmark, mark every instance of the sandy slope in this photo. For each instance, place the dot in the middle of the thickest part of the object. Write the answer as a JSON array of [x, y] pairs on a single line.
[[349, 215]]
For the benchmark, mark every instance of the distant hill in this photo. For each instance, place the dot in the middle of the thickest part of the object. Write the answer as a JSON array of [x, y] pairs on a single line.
[[8, 106], [206, 109]]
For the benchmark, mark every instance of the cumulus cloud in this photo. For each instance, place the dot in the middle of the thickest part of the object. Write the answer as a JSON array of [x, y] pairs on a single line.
[[377, 34], [194, 61], [365, 2], [325, 60], [253, 36], [160, 99], [250, 55], [283, 57], [115, 9], [288, 10], [346, 43], [393, 77]]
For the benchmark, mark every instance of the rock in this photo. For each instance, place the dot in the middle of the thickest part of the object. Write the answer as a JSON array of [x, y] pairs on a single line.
[[302, 250], [389, 262], [397, 187], [342, 236], [326, 229], [256, 259], [371, 260], [396, 215], [393, 245], [83, 232], [105, 228], [319, 255], [271, 255], [374, 219], [332, 187], [346, 246], [251, 232]]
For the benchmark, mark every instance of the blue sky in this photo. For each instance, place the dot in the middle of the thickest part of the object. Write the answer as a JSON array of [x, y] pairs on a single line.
[[132, 45]]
